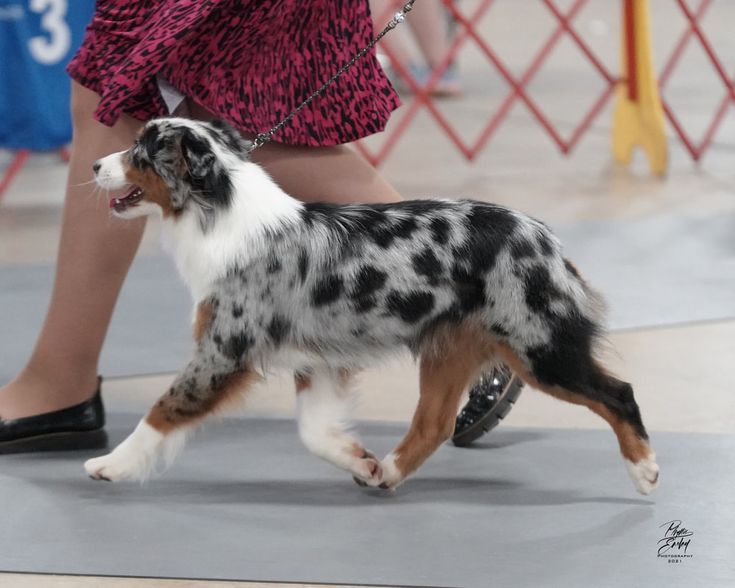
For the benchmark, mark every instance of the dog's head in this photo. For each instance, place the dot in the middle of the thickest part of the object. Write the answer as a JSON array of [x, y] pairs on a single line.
[[175, 166]]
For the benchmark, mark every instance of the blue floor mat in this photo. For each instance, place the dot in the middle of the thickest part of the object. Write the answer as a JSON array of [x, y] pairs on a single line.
[[245, 501]]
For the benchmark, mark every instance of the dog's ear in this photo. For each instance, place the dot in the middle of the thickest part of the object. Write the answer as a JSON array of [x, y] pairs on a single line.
[[236, 141], [197, 154]]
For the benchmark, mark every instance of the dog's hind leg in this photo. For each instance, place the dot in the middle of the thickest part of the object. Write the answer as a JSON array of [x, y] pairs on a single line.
[[580, 379], [445, 373], [325, 401]]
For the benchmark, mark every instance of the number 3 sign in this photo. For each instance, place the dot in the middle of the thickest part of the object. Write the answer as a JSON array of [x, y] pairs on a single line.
[[37, 40], [54, 46]]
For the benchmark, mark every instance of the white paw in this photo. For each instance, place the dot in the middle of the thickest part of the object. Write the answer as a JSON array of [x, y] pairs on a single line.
[[644, 473], [366, 470], [134, 458], [118, 465], [391, 476]]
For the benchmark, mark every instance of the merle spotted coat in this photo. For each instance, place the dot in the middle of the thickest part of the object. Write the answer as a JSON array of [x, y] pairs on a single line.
[[326, 289]]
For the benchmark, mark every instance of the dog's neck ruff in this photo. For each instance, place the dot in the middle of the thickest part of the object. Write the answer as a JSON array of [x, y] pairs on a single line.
[[236, 235]]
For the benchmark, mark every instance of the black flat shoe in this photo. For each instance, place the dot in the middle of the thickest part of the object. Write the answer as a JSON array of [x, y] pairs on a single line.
[[490, 401], [73, 428]]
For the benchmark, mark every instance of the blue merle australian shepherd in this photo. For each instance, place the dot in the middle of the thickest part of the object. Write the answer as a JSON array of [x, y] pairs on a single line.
[[324, 290]]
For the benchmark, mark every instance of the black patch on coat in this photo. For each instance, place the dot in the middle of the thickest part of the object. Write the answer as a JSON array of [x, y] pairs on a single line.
[[470, 294], [545, 244], [440, 228], [428, 265], [273, 265], [491, 229], [237, 345], [522, 248], [469, 289], [365, 218], [566, 360], [499, 330], [278, 328], [540, 291], [405, 227], [410, 307], [385, 230], [237, 311], [314, 212], [368, 281], [365, 304], [379, 229], [488, 218], [327, 290], [303, 263], [382, 237]]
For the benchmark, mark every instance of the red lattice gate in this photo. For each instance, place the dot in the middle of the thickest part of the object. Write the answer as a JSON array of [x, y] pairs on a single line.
[[518, 84], [637, 83], [694, 33]]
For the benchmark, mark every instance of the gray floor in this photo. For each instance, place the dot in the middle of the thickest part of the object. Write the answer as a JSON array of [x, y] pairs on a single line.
[[653, 271], [530, 507]]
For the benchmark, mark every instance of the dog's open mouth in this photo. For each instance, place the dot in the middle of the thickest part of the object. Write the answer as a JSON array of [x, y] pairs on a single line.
[[130, 198]]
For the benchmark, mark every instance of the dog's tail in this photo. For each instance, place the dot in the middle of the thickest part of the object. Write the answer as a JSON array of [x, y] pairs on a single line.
[[591, 303]]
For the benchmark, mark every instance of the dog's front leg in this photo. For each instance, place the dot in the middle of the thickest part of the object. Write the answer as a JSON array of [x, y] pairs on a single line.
[[207, 383]]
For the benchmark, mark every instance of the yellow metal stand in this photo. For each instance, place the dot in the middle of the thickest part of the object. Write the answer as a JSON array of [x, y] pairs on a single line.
[[639, 117]]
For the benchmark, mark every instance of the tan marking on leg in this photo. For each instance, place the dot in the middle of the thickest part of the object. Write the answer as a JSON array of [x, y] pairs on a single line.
[[632, 447], [447, 369], [170, 413], [205, 315]]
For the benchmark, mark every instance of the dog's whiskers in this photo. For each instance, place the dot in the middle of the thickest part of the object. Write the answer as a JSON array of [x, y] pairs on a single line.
[[92, 181]]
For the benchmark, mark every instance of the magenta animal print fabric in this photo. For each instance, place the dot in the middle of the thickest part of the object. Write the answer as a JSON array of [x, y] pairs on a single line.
[[250, 62]]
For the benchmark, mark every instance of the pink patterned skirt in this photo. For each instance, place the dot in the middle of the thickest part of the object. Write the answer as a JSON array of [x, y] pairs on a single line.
[[250, 62]]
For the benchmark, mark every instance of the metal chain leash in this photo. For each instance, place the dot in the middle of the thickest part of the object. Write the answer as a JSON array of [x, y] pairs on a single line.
[[262, 138]]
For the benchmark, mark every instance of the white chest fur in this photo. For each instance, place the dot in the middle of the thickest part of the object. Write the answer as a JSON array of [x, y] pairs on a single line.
[[204, 255]]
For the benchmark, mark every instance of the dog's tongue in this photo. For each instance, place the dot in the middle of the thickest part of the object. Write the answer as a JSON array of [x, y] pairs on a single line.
[[130, 197]]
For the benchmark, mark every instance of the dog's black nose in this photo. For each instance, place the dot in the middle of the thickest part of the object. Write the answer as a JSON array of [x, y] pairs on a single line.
[[96, 167]]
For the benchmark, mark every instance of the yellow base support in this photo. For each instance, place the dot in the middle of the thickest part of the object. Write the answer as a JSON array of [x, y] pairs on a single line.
[[639, 117]]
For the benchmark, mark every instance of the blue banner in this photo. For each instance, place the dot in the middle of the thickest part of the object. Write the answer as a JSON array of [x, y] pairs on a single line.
[[37, 40]]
